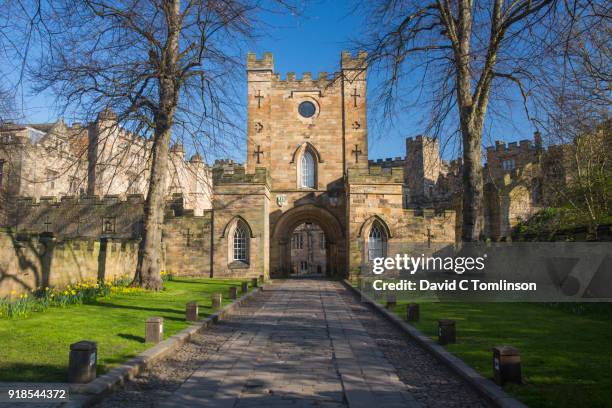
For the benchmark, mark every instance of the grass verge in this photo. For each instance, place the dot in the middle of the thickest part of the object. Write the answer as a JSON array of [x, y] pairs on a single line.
[[566, 357], [37, 348]]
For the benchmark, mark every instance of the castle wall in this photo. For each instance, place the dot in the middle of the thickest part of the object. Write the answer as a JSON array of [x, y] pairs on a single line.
[[187, 244], [30, 262], [377, 196], [241, 197], [84, 217]]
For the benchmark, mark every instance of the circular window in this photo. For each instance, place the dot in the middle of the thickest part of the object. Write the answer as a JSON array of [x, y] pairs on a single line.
[[307, 109]]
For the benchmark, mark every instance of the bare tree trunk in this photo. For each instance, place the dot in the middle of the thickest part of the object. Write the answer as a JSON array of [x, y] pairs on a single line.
[[472, 185], [149, 255]]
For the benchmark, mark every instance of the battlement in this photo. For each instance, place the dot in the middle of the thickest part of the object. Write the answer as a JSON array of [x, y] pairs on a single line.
[[376, 174], [264, 64], [347, 61], [291, 78], [236, 174], [387, 162], [521, 146], [83, 200], [430, 213]]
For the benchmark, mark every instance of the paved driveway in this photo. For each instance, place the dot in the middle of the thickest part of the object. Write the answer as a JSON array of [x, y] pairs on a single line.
[[301, 343]]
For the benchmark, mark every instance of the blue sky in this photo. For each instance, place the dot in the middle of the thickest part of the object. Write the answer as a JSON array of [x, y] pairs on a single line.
[[312, 42]]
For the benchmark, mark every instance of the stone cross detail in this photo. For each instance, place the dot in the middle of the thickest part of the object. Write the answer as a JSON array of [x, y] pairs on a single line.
[[188, 236], [429, 237], [355, 95], [356, 152], [257, 153], [259, 97], [47, 223]]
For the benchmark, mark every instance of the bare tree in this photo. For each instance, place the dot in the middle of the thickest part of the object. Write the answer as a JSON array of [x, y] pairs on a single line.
[[164, 67], [465, 59]]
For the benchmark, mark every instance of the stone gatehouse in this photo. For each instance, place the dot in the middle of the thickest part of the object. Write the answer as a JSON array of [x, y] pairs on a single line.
[[306, 167]]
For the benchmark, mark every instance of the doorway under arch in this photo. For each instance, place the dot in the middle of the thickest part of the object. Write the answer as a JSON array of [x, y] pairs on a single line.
[[308, 250], [299, 217]]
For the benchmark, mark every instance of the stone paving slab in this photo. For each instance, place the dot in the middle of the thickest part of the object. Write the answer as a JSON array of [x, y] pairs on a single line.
[[300, 343]]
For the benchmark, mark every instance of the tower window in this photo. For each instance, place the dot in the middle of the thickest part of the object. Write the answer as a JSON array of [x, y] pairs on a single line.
[[376, 242], [307, 167], [508, 164], [307, 109], [241, 252]]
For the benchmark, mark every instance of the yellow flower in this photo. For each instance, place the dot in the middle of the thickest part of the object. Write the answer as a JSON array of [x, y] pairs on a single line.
[[73, 292], [47, 289], [13, 292], [21, 296], [65, 292], [25, 296]]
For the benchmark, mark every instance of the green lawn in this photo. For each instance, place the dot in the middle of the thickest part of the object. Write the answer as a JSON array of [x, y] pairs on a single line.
[[36, 348], [566, 357]]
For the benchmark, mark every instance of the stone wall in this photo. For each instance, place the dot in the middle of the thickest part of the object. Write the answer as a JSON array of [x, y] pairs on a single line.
[[187, 244], [376, 196], [84, 217], [278, 135], [29, 261], [241, 197]]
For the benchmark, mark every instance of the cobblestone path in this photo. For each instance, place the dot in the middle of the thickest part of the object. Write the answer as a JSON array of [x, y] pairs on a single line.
[[300, 343]]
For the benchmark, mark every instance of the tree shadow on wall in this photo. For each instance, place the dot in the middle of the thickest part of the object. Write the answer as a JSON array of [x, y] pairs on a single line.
[[33, 258]]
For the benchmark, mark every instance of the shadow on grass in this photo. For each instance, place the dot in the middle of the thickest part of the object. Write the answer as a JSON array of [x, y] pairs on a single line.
[[149, 309], [132, 337], [27, 372], [205, 282]]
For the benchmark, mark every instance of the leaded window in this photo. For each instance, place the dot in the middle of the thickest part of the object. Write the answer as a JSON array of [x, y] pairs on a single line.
[[307, 167], [241, 249], [376, 242]]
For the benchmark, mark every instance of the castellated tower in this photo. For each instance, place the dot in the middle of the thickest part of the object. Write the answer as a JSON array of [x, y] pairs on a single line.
[[422, 168], [324, 115]]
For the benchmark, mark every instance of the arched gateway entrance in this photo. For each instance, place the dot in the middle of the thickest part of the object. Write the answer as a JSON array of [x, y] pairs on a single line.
[[282, 233]]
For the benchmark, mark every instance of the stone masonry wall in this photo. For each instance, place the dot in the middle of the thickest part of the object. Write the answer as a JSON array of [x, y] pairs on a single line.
[[33, 262], [187, 244], [244, 197], [377, 196], [85, 217]]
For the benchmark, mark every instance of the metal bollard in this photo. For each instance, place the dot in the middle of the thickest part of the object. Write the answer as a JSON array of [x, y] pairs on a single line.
[[154, 329], [191, 311], [446, 332], [216, 300], [391, 302], [233, 292], [82, 361], [414, 313], [507, 365]]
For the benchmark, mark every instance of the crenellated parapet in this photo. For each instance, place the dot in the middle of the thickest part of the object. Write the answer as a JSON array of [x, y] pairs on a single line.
[[359, 61], [237, 174], [524, 145], [266, 63], [376, 175]]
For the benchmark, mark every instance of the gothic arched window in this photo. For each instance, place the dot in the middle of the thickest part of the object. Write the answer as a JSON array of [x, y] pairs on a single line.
[[241, 243], [307, 170], [376, 242]]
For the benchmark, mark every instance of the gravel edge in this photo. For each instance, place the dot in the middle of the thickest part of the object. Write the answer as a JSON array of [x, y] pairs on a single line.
[[485, 387], [86, 395]]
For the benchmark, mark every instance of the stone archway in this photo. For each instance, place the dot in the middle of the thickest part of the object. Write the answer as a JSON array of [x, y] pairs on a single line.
[[280, 243]]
